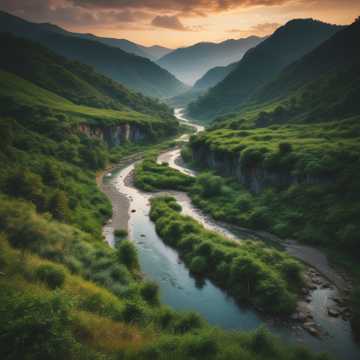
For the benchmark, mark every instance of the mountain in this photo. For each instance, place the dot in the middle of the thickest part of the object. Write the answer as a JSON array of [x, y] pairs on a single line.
[[324, 84], [156, 52], [191, 63], [152, 52], [261, 65], [135, 72], [214, 76], [74, 81]]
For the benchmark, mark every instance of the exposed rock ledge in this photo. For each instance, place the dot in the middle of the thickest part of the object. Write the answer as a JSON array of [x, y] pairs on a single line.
[[114, 135]]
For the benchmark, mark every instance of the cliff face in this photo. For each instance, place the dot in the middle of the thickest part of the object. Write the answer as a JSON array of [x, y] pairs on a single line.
[[255, 178], [114, 135]]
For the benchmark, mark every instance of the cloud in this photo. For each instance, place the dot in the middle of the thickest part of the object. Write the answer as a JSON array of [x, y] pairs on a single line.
[[258, 29], [196, 7], [168, 22]]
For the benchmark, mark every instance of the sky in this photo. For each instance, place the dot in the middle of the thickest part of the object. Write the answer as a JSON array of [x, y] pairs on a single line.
[[177, 23]]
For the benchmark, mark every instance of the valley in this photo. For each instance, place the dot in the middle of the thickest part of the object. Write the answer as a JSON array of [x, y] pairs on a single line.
[[181, 289], [172, 189]]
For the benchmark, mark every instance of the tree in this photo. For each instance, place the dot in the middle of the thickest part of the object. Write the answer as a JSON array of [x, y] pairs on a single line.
[[245, 272], [127, 254], [51, 174], [25, 184], [211, 185], [6, 133], [59, 206]]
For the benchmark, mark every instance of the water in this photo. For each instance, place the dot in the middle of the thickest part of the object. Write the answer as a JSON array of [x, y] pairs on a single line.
[[181, 291]]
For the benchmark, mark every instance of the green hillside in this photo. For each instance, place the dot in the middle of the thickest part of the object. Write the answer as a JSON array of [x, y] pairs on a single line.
[[261, 65], [322, 86], [135, 72], [291, 155], [66, 294], [72, 80]]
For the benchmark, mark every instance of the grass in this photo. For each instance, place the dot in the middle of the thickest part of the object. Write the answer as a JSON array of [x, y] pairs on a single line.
[[24, 92]]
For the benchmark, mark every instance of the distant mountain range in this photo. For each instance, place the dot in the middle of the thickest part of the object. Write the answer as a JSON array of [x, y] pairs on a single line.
[[214, 76], [135, 72], [190, 63], [261, 65]]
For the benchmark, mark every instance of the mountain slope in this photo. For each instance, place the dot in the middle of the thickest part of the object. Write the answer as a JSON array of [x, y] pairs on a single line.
[[261, 65], [72, 80], [156, 52], [324, 85], [152, 52], [190, 63], [214, 76], [137, 73]]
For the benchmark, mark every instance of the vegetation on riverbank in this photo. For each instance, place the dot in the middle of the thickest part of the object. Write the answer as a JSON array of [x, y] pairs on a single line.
[[250, 271], [320, 165]]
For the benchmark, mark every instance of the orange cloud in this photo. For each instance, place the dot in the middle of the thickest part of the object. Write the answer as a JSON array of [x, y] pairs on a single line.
[[258, 29]]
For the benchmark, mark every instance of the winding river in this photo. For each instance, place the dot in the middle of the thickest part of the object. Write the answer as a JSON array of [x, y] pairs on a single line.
[[181, 291]]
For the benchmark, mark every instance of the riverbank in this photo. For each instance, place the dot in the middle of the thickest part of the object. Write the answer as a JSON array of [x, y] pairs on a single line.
[[179, 290]]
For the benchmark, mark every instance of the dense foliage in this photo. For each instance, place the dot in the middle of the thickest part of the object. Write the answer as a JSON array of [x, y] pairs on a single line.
[[293, 166], [152, 176], [252, 272]]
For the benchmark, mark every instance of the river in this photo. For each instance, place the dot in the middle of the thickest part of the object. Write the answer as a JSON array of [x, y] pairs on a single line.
[[181, 291]]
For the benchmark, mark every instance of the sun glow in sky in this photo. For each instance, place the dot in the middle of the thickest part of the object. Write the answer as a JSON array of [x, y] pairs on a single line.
[[176, 23]]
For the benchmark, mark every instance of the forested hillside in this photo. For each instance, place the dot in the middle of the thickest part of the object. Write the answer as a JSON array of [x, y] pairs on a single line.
[[291, 155], [65, 293], [261, 65], [135, 72]]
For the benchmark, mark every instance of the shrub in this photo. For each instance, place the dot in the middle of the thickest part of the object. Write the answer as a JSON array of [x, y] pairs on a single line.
[[36, 326], [120, 233], [285, 148], [188, 322], [150, 292], [292, 270], [262, 342], [133, 312], [51, 275], [127, 255], [198, 265], [211, 185], [201, 346]]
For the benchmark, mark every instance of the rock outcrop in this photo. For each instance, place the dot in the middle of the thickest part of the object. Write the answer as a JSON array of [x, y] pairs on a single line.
[[114, 135], [256, 177]]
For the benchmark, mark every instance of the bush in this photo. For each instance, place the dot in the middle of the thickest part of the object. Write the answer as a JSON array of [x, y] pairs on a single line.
[[36, 327], [198, 265], [292, 270], [150, 292], [285, 148], [211, 185], [120, 233], [51, 275], [201, 347], [127, 255], [133, 312], [188, 322]]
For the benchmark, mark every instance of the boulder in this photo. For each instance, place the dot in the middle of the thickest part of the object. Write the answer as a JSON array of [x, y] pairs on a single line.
[[333, 312]]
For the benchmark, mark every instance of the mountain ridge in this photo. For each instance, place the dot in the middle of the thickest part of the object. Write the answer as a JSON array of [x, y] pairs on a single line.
[[187, 63], [137, 73], [262, 64]]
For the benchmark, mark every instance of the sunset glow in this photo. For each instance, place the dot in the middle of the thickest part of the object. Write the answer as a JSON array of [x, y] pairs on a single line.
[[175, 23]]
